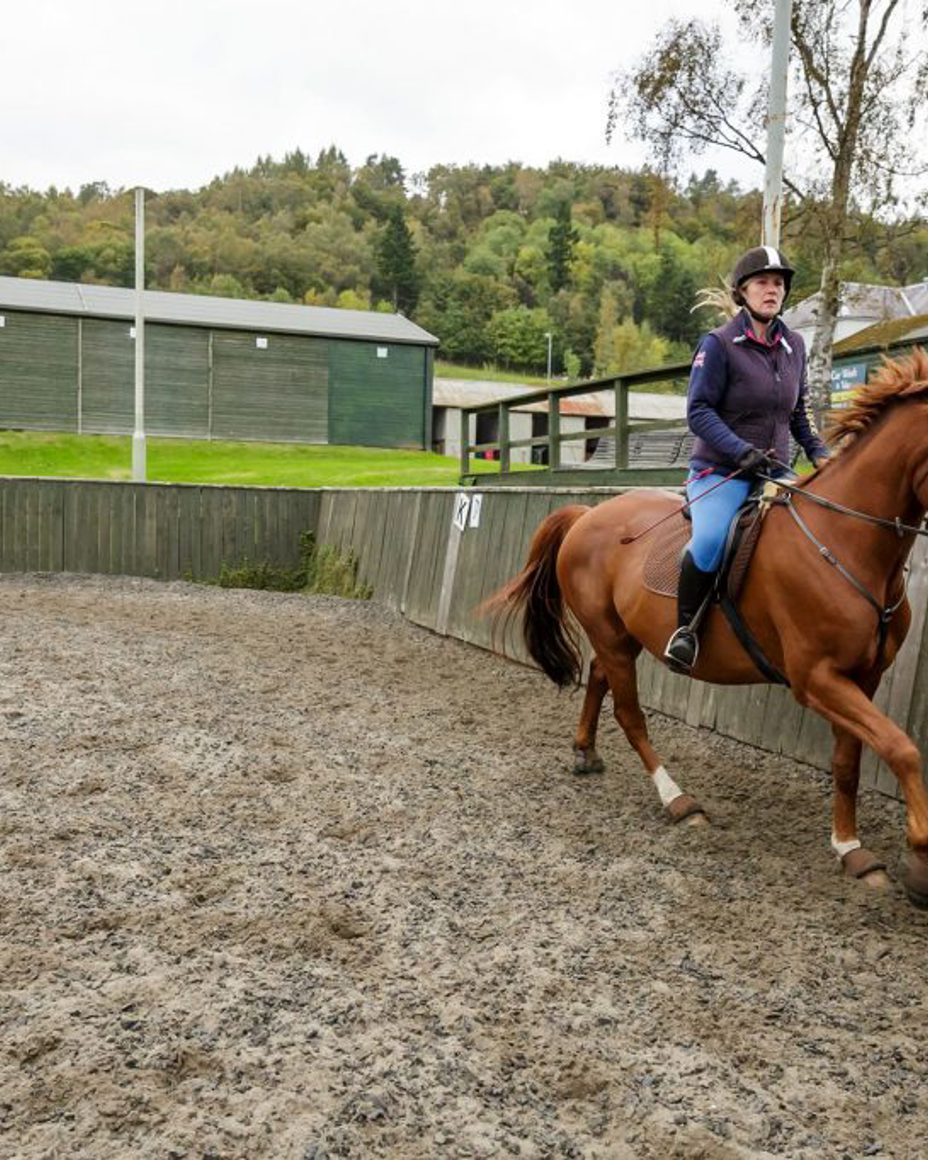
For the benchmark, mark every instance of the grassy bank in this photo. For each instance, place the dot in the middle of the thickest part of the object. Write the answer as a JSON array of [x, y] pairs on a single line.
[[196, 461]]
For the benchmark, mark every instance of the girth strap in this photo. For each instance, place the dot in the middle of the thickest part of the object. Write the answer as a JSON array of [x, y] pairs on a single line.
[[768, 670]]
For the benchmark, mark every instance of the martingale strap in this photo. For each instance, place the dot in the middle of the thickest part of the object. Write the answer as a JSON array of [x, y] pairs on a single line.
[[884, 614]]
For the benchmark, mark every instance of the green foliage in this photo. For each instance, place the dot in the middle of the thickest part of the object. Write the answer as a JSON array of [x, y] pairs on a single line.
[[622, 345], [25, 257], [561, 242], [322, 571], [471, 253], [397, 278], [518, 337]]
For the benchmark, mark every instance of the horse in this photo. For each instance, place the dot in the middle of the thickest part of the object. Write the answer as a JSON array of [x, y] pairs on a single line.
[[823, 597]]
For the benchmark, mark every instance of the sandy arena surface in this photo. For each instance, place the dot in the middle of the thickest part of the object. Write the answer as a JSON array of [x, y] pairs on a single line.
[[290, 877]]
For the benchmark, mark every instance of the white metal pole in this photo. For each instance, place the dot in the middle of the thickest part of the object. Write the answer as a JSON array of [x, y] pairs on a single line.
[[138, 434], [548, 337], [776, 124]]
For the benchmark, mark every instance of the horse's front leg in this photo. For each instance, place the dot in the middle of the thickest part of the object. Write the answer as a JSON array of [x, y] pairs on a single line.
[[586, 759], [856, 861], [843, 703]]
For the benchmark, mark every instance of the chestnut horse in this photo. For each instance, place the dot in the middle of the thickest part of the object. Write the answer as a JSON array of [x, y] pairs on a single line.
[[824, 597]]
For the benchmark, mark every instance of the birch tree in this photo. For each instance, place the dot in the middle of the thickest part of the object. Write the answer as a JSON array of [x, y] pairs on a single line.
[[855, 123]]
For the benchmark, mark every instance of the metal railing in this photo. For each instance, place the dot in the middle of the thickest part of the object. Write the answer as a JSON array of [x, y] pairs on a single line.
[[620, 431]]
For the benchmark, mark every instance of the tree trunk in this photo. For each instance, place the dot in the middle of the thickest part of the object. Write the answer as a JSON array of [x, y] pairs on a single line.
[[826, 316]]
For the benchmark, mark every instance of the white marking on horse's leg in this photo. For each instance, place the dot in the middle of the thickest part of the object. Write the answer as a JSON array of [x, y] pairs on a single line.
[[842, 848], [665, 785]]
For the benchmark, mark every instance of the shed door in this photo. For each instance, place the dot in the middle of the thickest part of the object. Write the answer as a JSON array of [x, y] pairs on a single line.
[[377, 399], [271, 386]]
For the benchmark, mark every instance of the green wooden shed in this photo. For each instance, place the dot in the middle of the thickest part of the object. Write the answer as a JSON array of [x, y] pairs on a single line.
[[215, 368]]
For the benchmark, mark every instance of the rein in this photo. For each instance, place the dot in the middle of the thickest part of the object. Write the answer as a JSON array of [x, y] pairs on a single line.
[[687, 504], [895, 525]]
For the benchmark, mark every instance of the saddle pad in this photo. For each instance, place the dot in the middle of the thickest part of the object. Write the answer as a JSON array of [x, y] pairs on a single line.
[[662, 566]]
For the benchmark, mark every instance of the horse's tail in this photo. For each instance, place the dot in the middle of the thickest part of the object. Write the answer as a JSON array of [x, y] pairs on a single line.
[[549, 636]]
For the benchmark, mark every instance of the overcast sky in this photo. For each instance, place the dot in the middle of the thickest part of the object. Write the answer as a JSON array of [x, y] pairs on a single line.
[[174, 93]]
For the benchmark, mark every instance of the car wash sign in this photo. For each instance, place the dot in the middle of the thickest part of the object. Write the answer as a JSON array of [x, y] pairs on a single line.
[[845, 380]]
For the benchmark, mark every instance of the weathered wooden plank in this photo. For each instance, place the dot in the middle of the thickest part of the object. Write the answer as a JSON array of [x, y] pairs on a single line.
[[149, 534], [188, 528], [50, 516], [781, 723], [472, 581], [431, 547]]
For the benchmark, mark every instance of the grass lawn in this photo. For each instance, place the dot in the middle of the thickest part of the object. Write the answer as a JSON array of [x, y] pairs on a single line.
[[445, 370], [197, 461]]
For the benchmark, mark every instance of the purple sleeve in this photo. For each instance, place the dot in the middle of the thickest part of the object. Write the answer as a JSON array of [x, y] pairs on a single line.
[[802, 423], [708, 381]]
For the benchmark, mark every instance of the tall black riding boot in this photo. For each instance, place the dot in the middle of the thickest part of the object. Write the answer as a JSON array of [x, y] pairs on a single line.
[[695, 586]]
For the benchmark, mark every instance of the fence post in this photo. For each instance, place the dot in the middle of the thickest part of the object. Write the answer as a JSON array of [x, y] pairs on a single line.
[[465, 441], [504, 455], [621, 423], [554, 430]]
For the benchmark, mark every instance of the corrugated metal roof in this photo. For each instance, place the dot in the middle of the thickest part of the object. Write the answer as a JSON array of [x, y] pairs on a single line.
[[201, 310], [476, 393], [896, 330], [865, 301]]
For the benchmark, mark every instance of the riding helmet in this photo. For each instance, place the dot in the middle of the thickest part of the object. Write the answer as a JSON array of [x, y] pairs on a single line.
[[760, 260]]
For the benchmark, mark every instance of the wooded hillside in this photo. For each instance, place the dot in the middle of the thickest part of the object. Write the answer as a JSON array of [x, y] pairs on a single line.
[[488, 258]]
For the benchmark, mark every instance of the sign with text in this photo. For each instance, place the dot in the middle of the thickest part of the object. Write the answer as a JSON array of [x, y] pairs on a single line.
[[844, 382]]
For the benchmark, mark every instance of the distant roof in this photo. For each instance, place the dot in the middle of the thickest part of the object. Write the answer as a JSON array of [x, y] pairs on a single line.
[[201, 310], [477, 392], [896, 330], [865, 301]]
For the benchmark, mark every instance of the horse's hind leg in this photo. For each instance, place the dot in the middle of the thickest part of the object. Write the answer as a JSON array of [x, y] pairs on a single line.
[[856, 861], [586, 759], [618, 657]]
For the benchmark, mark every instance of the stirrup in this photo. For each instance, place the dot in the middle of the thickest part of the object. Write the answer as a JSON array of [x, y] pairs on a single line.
[[682, 650]]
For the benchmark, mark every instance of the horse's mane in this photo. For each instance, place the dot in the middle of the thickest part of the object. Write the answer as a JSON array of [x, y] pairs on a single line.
[[895, 380]]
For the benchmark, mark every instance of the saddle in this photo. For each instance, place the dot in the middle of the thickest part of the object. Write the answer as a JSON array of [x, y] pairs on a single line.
[[662, 567]]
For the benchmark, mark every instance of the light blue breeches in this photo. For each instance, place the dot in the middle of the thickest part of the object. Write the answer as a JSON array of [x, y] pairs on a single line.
[[712, 516]]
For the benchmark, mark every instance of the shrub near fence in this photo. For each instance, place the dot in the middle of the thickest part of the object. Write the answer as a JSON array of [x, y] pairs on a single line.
[[418, 551]]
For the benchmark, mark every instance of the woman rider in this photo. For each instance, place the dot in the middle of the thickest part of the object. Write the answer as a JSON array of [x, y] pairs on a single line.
[[746, 396]]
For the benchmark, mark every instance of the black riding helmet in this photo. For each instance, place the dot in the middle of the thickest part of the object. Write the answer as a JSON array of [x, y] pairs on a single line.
[[760, 260]]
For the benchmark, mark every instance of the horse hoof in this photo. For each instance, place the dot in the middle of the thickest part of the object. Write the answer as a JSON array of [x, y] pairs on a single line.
[[686, 809], [585, 763], [878, 880], [915, 881], [865, 867]]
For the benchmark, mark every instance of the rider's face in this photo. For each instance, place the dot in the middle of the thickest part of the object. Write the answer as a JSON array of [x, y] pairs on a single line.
[[764, 294]]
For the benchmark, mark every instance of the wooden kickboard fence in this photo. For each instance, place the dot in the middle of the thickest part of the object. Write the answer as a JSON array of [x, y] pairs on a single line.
[[432, 554]]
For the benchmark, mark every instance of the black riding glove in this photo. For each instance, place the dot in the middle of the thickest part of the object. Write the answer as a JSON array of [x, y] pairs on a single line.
[[755, 460]]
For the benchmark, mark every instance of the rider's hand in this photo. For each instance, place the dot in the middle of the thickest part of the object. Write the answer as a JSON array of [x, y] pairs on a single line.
[[755, 460]]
